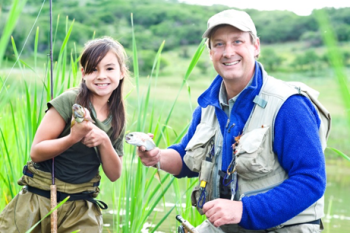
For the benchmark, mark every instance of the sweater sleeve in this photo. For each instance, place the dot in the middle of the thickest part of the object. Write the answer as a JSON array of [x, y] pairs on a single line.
[[299, 152], [180, 147]]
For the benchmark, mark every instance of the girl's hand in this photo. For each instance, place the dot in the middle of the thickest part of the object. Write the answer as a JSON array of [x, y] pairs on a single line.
[[80, 130], [95, 137]]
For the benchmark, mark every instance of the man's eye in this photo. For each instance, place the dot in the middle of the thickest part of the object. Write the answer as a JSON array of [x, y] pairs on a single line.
[[218, 44], [238, 41]]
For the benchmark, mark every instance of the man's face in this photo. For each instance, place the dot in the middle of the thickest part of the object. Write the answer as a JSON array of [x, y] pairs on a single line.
[[232, 54]]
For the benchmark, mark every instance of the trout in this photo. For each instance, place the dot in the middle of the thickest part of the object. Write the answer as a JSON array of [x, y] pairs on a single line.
[[78, 113], [142, 139]]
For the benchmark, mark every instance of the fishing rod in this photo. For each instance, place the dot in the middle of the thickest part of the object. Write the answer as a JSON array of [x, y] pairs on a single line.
[[53, 188]]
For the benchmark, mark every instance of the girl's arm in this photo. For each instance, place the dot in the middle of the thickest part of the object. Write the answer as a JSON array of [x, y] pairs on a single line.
[[46, 144], [111, 162]]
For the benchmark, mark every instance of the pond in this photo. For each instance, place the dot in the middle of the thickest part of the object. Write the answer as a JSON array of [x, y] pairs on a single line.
[[337, 203]]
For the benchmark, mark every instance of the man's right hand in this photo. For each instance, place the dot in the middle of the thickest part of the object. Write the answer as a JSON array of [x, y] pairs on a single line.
[[149, 158]]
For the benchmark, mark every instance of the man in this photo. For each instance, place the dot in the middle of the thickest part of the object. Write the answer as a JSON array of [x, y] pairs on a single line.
[[254, 140]]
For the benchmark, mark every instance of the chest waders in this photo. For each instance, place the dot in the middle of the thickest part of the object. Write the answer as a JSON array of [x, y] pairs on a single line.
[[38, 182]]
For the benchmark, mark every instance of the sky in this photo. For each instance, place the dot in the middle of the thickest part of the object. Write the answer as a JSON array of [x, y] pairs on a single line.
[[300, 7]]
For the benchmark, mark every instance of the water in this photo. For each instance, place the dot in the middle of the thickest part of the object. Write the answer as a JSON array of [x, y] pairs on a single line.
[[337, 203], [337, 200]]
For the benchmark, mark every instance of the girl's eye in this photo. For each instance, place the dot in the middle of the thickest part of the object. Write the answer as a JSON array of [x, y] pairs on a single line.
[[110, 68], [94, 69]]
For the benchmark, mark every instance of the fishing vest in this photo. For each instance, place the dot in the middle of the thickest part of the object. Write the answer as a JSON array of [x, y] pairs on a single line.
[[258, 169]]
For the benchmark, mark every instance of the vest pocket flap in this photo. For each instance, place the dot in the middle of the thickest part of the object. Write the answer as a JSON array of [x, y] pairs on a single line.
[[198, 146], [251, 141], [201, 137]]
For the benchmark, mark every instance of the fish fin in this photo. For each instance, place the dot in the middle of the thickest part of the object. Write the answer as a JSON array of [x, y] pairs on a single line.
[[157, 175], [72, 123], [89, 119]]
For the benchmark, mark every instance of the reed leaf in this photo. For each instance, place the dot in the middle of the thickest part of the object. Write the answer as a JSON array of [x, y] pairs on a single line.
[[335, 57], [52, 210], [193, 63], [15, 12], [10, 165], [339, 153], [36, 42]]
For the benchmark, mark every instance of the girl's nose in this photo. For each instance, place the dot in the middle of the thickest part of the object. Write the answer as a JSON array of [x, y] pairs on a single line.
[[102, 75]]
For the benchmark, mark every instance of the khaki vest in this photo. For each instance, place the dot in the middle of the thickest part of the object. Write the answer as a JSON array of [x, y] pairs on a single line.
[[258, 170]]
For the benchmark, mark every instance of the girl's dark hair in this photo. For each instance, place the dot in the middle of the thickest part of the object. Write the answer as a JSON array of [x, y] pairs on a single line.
[[93, 53]]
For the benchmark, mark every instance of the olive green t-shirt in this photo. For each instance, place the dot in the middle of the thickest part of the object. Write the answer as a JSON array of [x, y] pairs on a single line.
[[79, 163]]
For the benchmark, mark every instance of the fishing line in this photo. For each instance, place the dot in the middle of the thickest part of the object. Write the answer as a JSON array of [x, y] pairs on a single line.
[[25, 42]]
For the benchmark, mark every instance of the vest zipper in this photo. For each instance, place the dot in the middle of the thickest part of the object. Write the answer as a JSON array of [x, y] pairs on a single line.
[[229, 130], [249, 193]]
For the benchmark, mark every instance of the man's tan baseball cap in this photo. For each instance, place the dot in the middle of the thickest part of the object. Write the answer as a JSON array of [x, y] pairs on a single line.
[[235, 18]]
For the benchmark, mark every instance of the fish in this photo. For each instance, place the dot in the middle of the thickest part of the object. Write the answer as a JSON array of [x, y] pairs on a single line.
[[78, 113], [142, 139]]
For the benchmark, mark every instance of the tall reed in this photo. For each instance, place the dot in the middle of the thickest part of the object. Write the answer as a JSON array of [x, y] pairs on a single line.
[[334, 55]]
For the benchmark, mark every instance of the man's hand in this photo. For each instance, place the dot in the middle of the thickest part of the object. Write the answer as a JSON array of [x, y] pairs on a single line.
[[149, 158], [222, 211]]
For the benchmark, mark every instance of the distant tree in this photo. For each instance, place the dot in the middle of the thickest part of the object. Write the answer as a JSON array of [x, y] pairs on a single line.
[[145, 61], [343, 32], [307, 61], [270, 59], [203, 66], [312, 39]]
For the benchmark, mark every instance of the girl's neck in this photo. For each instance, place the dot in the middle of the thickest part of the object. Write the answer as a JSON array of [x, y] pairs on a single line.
[[101, 108]]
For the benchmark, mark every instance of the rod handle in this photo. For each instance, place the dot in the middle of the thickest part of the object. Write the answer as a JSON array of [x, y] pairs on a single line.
[[53, 197]]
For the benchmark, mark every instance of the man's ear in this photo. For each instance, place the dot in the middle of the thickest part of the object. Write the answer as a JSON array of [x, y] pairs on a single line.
[[257, 47], [210, 54]]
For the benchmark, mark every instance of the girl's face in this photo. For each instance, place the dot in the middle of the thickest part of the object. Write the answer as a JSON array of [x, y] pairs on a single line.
[[105, 78]]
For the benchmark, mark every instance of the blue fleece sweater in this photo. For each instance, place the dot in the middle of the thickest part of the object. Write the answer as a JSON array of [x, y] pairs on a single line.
[[296, 145]]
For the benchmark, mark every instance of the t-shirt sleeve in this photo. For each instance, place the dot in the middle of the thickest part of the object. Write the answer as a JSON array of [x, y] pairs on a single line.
[[119, 143], [63, 104]]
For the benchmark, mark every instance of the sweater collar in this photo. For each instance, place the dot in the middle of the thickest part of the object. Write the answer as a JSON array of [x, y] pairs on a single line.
[[211, 95]]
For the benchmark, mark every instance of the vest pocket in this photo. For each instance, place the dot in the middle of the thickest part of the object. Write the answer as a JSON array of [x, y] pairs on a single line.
[[198, 147], [254, 158]]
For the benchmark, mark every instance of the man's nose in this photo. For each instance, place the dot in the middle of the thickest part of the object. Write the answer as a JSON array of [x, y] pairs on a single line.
[[229, 50]]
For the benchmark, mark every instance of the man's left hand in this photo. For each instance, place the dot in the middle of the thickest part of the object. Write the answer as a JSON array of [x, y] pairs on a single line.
[[222, 211]]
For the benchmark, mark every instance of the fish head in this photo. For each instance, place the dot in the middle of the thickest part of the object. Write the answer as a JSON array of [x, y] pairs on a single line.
[[78, 112], [133, 139], [140, 139]]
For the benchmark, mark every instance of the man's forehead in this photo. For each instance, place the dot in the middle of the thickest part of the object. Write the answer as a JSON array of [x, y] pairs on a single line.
[[224, 30]]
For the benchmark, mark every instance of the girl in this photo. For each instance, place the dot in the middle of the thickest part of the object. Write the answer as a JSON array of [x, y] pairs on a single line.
[[77, 150]]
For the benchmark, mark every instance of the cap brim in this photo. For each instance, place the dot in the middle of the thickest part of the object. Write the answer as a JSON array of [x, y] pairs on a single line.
[[207, 32]]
